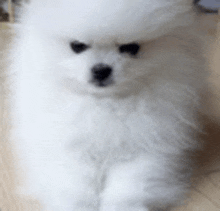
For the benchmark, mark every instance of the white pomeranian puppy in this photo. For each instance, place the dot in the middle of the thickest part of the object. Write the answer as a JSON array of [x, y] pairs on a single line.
[[105, 102]]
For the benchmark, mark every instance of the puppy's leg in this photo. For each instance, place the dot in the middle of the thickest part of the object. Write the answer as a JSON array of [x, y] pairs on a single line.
[[68, 187], [148, 183]]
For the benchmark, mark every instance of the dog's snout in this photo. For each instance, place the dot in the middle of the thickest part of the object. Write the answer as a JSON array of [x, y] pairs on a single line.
[[101, 72]]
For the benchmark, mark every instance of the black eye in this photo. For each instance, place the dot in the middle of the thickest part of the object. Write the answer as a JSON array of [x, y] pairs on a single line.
[[131, 48], [78, 47]]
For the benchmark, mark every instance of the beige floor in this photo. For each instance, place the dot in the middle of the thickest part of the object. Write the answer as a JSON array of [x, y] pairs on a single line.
[[205, 195]]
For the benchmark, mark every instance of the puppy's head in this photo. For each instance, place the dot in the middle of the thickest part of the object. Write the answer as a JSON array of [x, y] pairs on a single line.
[[103, 44]]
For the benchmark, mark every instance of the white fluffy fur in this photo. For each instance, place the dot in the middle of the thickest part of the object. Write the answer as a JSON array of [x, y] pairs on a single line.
[[118, 148]]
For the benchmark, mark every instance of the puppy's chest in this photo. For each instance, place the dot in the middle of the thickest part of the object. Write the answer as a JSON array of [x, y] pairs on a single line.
[[106, 133]]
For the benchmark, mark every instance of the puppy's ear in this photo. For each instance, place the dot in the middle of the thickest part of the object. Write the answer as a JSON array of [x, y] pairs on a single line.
[[203, 9]]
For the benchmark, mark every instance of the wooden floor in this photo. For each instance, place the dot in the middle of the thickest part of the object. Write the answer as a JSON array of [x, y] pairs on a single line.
[[205, 195]]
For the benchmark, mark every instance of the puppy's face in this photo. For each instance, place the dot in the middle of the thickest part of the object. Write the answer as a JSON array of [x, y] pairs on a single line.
[[105, 45], [104, 65], [107, 64]]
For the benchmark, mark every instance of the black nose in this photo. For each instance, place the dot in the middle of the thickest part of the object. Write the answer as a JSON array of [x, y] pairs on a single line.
[[101, 72]]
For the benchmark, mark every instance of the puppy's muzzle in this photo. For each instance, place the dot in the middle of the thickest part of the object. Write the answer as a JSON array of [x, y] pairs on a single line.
[[101, 74]]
